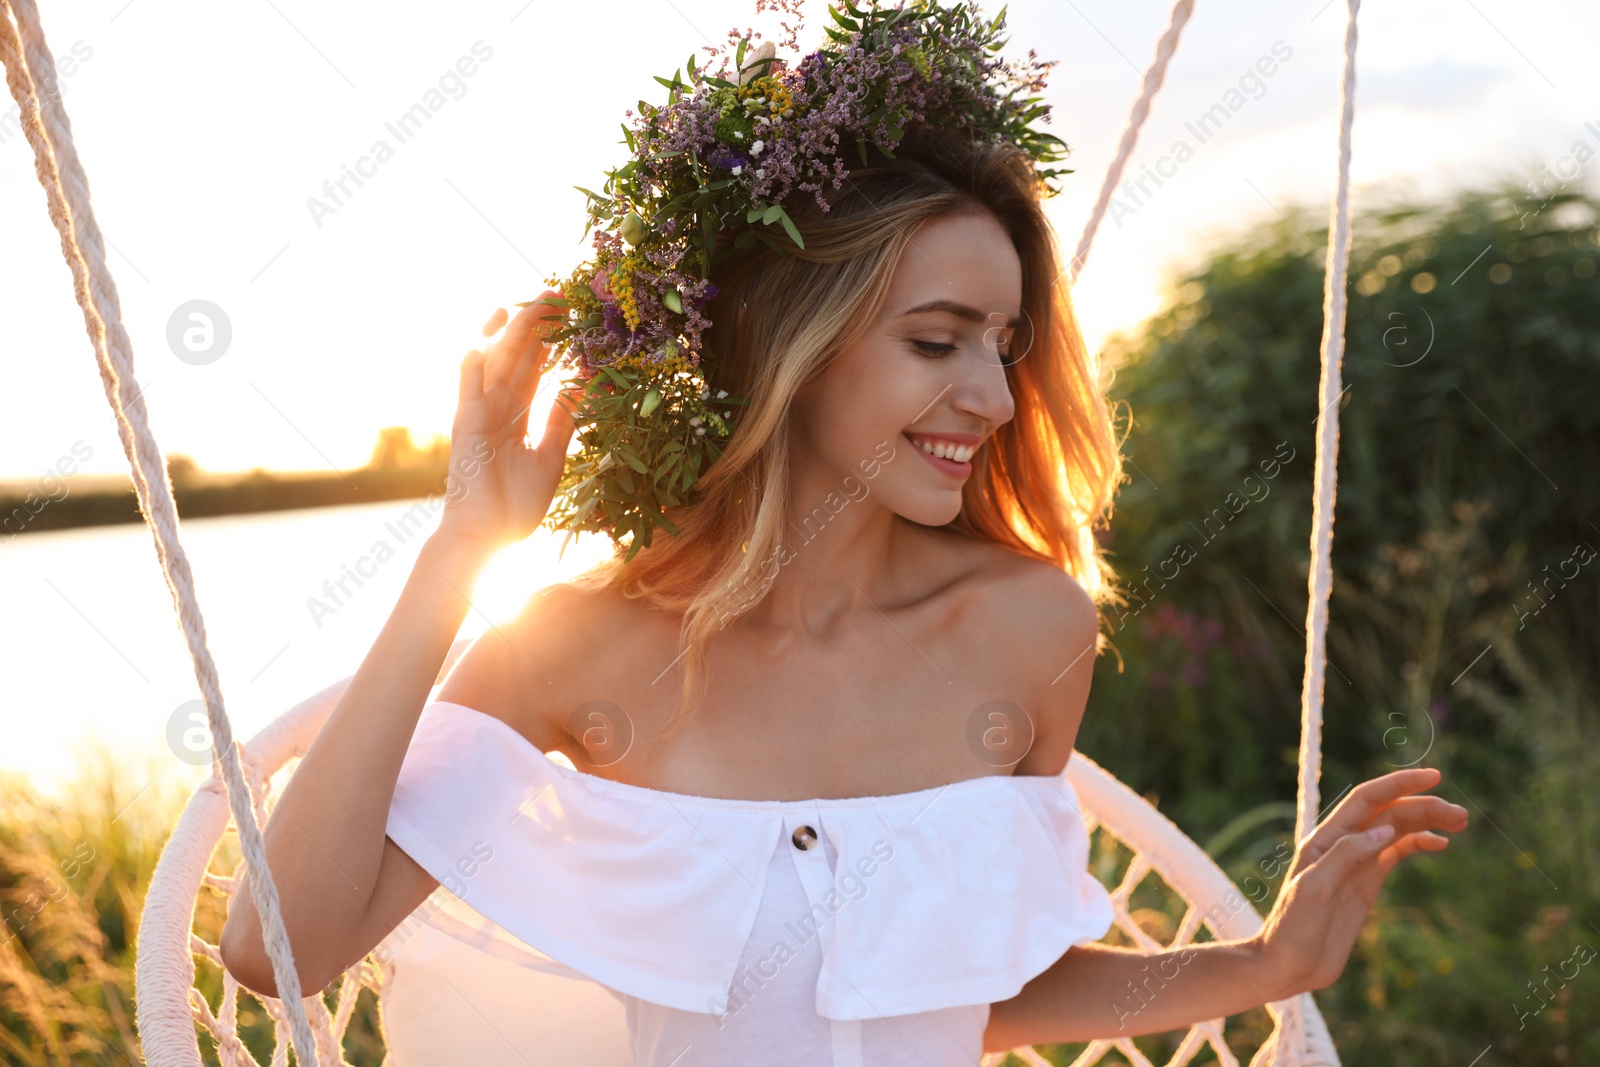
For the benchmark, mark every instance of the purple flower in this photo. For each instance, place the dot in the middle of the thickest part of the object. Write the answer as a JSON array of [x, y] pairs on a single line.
[[616, 325], [726, 158]]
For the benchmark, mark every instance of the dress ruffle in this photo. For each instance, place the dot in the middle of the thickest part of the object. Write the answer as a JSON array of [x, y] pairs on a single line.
[[949, 896]]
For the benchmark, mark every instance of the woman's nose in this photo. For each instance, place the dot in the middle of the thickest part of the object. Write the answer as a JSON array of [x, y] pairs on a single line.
[[982, 388]]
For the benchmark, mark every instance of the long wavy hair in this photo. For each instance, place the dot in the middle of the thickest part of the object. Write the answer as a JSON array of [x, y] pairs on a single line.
[[1041, 485]]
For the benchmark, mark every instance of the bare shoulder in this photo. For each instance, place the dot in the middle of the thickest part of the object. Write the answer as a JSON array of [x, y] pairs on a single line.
[[1028, 598], [1042, 628], [521, 671]]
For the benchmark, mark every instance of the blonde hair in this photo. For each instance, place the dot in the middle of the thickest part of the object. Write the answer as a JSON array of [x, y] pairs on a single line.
[[1039, 485]]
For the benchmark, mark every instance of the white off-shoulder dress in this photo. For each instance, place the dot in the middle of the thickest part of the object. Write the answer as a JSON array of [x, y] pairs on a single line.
[[673, 930]]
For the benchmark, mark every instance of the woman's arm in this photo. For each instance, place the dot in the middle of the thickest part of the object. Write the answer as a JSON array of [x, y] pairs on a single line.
[[326, 836], [341, 884], [1096, 991]]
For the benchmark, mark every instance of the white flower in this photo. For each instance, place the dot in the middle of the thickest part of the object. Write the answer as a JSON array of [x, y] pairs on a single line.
[[699, 431], [758, 147], [695, 421], [737, 168], [761, 172], [721, 393]]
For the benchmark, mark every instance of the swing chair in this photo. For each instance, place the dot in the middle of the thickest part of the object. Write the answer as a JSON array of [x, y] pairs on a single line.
[[236, 798]]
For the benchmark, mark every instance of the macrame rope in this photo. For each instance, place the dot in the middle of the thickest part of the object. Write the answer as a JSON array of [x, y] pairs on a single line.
[[1325, 483], [48, 132], [1130, 136], [1320, 582]]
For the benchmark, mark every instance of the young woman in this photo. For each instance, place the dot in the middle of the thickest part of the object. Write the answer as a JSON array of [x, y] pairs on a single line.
[[863, 662]]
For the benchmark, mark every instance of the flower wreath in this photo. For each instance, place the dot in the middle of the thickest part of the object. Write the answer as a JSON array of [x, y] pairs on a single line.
[[718, 160]]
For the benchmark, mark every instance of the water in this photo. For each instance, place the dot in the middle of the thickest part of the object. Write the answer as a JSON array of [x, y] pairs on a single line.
[[96, 662]]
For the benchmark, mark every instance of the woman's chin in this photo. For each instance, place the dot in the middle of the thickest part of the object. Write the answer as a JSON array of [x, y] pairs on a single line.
[[930, 509]]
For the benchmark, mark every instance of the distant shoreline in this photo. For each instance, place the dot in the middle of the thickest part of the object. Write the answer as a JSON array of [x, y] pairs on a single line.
[[25, 509]]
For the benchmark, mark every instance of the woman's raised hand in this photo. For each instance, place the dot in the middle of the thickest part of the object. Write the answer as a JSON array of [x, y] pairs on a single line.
[[1338, 870], [500, 487]]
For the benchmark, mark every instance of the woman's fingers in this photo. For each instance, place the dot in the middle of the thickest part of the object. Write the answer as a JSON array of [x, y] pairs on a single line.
[[471, 377], [516, 344], [524, 379], [1342, 862], [558, 429], [1410, 814], [497, 320], [1410, 844], [1367, 799]]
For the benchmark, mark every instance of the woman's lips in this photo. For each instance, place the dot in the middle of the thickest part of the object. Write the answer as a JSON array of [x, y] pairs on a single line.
[[944, 466]]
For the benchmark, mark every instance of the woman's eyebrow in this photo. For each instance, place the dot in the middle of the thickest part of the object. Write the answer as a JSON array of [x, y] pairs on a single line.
[[971, 314]]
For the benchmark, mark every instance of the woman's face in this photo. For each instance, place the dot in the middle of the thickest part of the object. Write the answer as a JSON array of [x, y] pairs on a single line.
[[929, 373]]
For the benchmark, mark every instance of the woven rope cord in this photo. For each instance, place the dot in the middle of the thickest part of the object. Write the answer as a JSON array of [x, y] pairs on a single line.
[[1130, 135], [28, 66], [1325, 483]]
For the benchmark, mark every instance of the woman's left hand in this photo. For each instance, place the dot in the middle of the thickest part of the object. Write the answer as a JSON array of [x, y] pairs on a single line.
[[1338, 870]]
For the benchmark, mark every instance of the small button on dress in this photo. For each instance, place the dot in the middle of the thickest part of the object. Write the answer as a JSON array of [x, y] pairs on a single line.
[[879, 938]]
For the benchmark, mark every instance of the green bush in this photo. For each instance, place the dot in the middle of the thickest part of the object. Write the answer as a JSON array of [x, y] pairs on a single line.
[[1462, 617]]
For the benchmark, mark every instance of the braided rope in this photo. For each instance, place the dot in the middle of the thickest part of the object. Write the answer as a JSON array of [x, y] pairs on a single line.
[[1326, 478], [1320, 579], [56, 164], [1130, 136]]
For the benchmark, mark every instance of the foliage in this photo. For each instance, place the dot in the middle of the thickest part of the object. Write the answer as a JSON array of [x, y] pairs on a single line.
[[1461, 621]]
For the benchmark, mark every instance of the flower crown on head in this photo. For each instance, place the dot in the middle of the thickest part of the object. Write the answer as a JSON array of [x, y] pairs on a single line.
[[709, 172]]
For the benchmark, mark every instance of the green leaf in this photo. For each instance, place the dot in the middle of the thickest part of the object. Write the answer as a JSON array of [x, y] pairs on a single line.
[[631, 458], [790, 228], [673, 301], [772, 214], [753, 214], [746, 239], [651, 399]]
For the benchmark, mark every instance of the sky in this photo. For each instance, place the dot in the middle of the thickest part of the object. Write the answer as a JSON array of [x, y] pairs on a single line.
[[208, 130]]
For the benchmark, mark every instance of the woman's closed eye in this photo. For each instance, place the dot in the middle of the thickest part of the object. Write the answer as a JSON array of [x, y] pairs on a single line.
[[941, 348]]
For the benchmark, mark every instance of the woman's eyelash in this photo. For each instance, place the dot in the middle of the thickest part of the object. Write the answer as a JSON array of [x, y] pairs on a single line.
[[939, 348]]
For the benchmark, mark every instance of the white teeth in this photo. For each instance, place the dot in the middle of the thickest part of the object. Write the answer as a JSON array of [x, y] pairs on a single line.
[[955, 453]]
